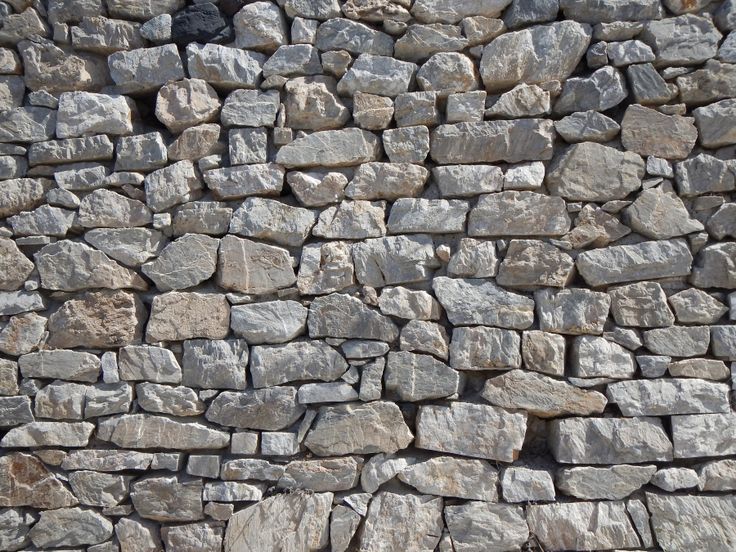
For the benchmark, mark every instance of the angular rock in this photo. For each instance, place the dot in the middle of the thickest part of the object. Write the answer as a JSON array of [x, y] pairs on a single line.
[[473, 259], [532, 263], [48, 434], [172, 185], [515, 213], [434, 216], [168, 498], [454, 477], [594, 172], [260, 26], [99, 489], [714, 123], [70, 527], [331, 148], [317, 188], [356, 38], [541, 396], [714, 267], [130, 246], [224, 67], [186, 103], [330, 474], [250, 108], [482, 302], [293, 61], [236, 182], [14, 527], [377, 74], [679, 341], [415, 377], [163, 399], [251, 267], [59, 401], [68, 365], [389, 181], [296, 361], [667, 397], [587, 126], [352, 220], [596, 357], [420, 42], [648, 132], [405, 303], [407, 145], [467, 180], [269, 322], [693, 306], [604, 89], [185, 262], [524, 485], [643, 304], [15, 267], [479, 431], [668, 37], [107, 209], [215, 364], [358, 428], [144, 431], [394, 260], [269, 409], [543, 352], [26, 482], [483, 348], [312, 104], [609, 440], [144, 70], [660, 215], [83, 113], [325, 268], [614, 483], [193, 537], [176, 316], [199, 23], [476, 526], [27, 124], [524, 100]]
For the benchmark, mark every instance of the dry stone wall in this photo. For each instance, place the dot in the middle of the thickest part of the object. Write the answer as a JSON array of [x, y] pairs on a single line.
[[367, 275]]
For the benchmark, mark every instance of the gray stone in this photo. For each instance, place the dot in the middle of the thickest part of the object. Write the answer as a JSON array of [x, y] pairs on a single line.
[[145, 69], [372, 112], [414, 377], [660, 215], [293, 61], [714, 267], [331, 148], [587, 126], [667, 397], [186, 103], [596, 357], [320, 475], [407, 145], [44, 221], [68, 365], [260, 26], [377, 74], [695, 368], [580, 10], [405, 303], [356, 38], [14, 527], [524, 100], [454, 477], [251, 267], [607, 483], [339, 315], [344, 522], [647, 85], [673, 479], [389, 181], [352, 220], [541, 396], [477, 526], [250, 108], [515, 213], [325, 268], [172, 185], [176, 316], [312, 104], [224, 67], [678, 341], [358, 428], [615, 173], [15, 302], [22, 334], [530, 263], [704, 174], [723, 342], [130, 246], [27, 124], [446, 73], [420, 42], [163, 399], [648, 132], [107, 209], [394, 260], [15, 411], [524, 484], [435, 216], [304, 360], [604, 89], [59, 400], [693, 306], [99, 489], [83, 113], [425, 337], [642, 261], [70, 527], [684, 40], [643, 304], [248, 146], [168, 498], [465, 107], [186, 262], [482, 302], [146, 431], [251, 468], [269, 409], [714, 123], [721, 224], [231, 491], [48, 434], [529, 55], [716, 475], [16, 267], [269, 322], [205, 536], [473, 259], [482, 348], [609, 440], [215, 364], [543, 352], [107, 398]]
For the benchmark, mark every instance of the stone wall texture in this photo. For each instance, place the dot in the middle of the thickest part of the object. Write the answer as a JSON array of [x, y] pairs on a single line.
[[367, 275]]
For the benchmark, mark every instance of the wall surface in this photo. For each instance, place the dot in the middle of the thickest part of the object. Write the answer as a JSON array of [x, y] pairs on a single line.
[[367, 275]]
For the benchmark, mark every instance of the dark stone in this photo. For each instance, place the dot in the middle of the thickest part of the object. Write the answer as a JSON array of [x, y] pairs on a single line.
[[200, 23], [231, 7]]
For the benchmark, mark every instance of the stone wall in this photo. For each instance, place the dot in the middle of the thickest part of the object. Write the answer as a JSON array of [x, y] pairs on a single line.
[[367, 275]]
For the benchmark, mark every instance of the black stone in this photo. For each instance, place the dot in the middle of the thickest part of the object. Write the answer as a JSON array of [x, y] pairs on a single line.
[[231, 7], [200, 23]]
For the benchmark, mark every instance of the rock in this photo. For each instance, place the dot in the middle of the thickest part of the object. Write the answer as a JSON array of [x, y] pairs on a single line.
[[99, 489], [415, 377], [176, 316], [225, 67], [141, 10], [424, 337], [642, 261], [27, 124], [141, 152], [679, 341], [214, 364], [454, 477], [682, 522], [524, 176], [58, 400], [352, 220], [714, 267], [251, 267], [157, 29], [296, 521], [312, 103], [442, 11], [394, 260], [407, 145], [389, 181], [48, 434], [372, 112], [145, 431], [251, 108], [483, 348], [186, 103], [144, 70], [476, 526], [647, 132], [97, 319], [528, 55], [269, 322], [106, 460], [412, 305], [611, 11], [50, 68], [317, 188], [524, 484], [608, 483], [108, 398], [16, 302], [331, 148], [647, 85], [666, 397], [331, 474], [543, 352], [643, 304], [172, 185], [609, 441], [248, 145], [532, 263], [107, 209], [83, 113], [252, 468], [325, 268], [68, 365], [70, 527], [723, 342], [339, 315], [491, 141], [16, 267], [44, 221], [628, 52], [596, 357], [616, 174], [592, 525], [168, 498], [414, 520], [377, 74], [236, 182], [199, 23], [193, 537], [482, 302], [667, 36], [587, 126], [446, 73], [260, 26], [14, 527], [721, 224], [693, 306], [660, 215], [515, 213], [22, 334], [177, 401], [344, 523], [604, 89], [673, 479], [269, 409], [185, 262], [709, 120], [356, 38], [716, 475], [26, 482], [232, 491], [524, 100], [427, 215], [130, 246], [308, 360], [135, 534], [420, 42], [541, 396], [479, 431], [473, 259]]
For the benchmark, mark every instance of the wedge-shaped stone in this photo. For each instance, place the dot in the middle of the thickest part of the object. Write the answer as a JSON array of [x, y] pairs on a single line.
[[388, 181], [609, 440], [683, 523], [358, 428], [470, 301], [398, 520], [455, 477], [15, 267], [98, 319], [340, 315], [602, 90], [700, 435], [714, 267], [513, 213], [394, 260], [168, 498], [594, 172], [587, 526], [270, 409], [331, 148], [60, 364], [678, 341], [272, 220], [492, 141], [25, 481], [474, 430], [541, 395], [185, 262], [72, 266], [176, 316], [245, 180], [215, 364], [607, 483], [587, 126], [483, 348], [107, 209], [70, 527], [478, 526], [628, 263], [667, 397], [48, 434], [296, 361], [292, 521], [415, 377], [251, 267], [532, 55], [423, 41], [646, 131], [533, 263], [144, 431]]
